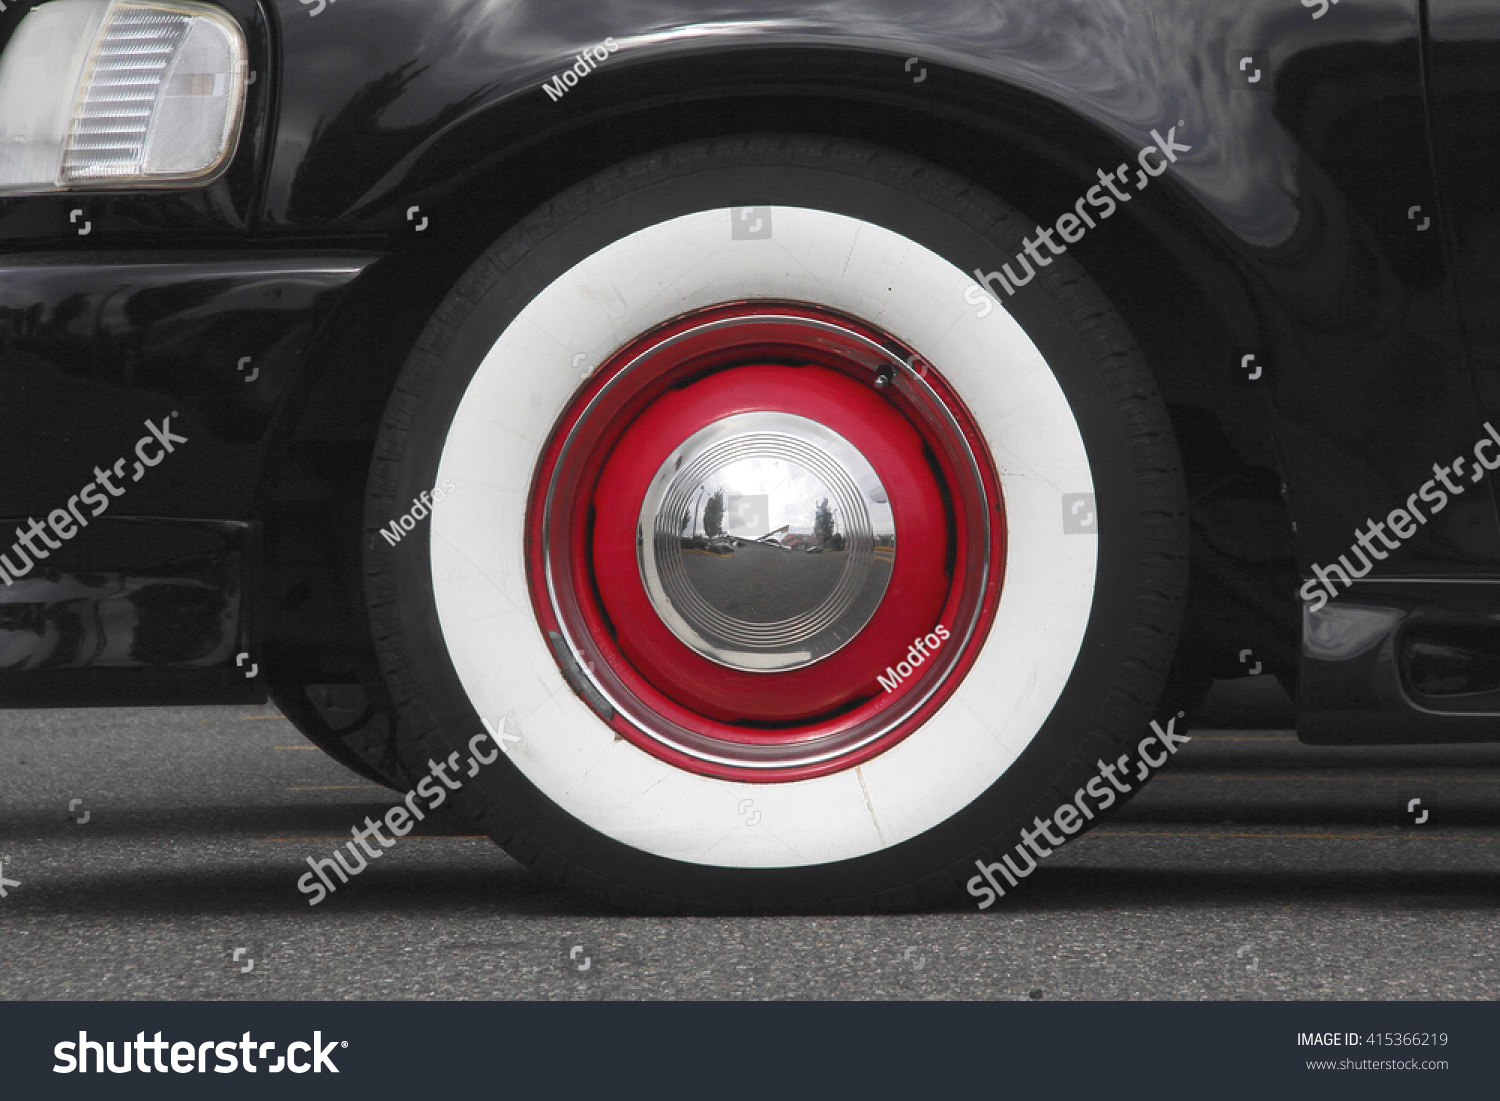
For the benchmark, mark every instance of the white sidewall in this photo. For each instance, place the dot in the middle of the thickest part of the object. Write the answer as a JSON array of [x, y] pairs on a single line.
[[478, 540]]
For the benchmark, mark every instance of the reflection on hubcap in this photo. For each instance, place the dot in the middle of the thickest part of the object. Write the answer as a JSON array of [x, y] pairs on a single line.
[[766, 541]]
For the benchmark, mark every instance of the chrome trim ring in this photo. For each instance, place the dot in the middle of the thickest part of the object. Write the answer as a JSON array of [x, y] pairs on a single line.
[[589, 670]]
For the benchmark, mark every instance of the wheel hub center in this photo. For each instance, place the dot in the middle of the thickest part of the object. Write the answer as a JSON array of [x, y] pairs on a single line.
[[766, 541]]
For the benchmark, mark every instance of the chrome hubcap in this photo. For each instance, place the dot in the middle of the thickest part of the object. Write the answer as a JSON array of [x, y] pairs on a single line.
[[766, 542]]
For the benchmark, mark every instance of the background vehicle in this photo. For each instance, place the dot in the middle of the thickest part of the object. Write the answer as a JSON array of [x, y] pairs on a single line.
[[747, 248]]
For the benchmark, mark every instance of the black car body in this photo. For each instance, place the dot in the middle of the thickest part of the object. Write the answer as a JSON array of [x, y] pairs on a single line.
[[1312, 282]]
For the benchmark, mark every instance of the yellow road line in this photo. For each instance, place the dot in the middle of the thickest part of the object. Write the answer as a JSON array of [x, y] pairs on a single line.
[[1404, 835], [1239, 738], [409, 837], [1341, 779]]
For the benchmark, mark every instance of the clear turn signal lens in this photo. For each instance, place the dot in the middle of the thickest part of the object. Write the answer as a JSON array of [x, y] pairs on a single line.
[[119, 93]]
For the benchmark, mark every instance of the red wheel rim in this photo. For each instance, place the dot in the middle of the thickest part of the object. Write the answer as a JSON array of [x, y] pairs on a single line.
[[812, 398]]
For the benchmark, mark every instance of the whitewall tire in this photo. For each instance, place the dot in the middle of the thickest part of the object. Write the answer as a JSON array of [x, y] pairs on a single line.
[[637, 771]]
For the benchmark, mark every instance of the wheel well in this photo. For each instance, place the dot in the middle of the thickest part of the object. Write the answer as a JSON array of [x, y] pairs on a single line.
[[1191, 317]]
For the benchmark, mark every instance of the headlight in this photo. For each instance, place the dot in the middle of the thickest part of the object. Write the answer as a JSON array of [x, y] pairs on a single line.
[[119, 93]]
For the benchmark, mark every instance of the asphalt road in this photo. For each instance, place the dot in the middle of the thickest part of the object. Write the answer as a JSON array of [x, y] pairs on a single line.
[[1254, 867]]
